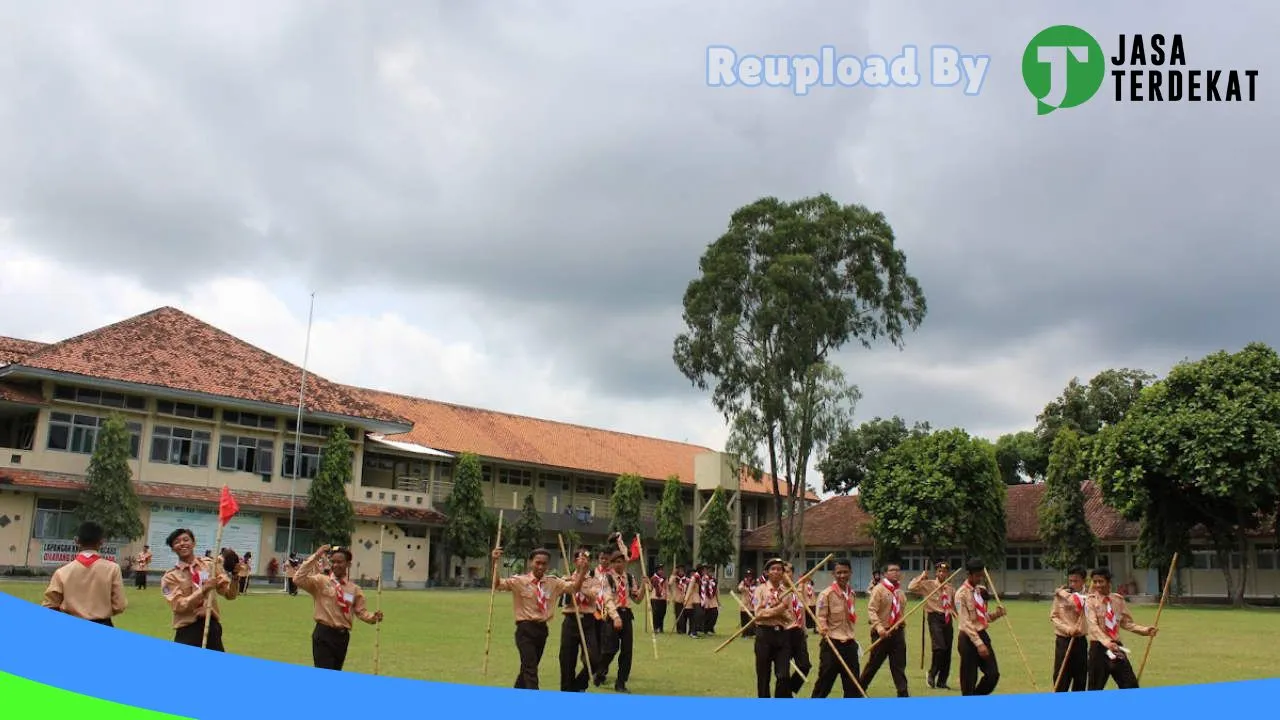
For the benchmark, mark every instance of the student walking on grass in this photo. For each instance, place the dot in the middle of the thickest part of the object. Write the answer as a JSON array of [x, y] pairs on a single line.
[[89, 587], [337, 601]]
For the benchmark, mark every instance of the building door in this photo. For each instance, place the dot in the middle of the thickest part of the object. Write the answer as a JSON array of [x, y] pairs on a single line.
[[861, 573], [388, 569], [555, 496]]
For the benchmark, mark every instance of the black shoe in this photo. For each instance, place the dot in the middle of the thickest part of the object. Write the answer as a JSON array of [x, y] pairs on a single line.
[[621, 688], [929, 680]]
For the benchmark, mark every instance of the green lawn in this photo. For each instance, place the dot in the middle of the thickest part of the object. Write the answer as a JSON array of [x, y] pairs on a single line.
[[439, 635]]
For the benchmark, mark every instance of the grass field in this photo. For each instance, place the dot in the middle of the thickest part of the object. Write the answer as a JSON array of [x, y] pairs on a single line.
[[439, 635]]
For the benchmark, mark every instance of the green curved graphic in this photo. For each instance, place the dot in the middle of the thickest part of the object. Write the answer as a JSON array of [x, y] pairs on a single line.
[[36, 700]]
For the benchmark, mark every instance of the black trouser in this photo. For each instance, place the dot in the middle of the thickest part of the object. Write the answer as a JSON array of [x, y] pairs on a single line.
[[893, 649], [140, 579], [709, 618], [799, 639], [192, 634], [244, 584], [773, 653], [619, 644], [329, 647], [1102, 668], [697, 619], [1075, 677], [942, 636], [659, 614], [290, 586], [809, 622], [971, 662], [571, 651], [104, 621], [743, 619], [531, 641], [829, 667], [682, 618]]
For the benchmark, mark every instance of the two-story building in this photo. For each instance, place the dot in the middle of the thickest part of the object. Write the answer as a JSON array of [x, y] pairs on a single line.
[[206, 409]]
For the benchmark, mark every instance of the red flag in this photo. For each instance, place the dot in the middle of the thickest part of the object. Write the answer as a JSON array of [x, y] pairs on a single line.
[[227, 506], [635, 549]]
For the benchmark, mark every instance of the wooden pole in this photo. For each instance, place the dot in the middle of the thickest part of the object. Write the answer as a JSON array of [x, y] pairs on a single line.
[[830, 643], [785, 594], [1163, 596], [377, 630], [1012, 634], [648, 618], [1057, 682], [582, 636], [208, 601], [493, 594]]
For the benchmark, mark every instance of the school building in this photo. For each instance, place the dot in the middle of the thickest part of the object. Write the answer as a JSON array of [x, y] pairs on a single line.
[[839, 525], [206, 409]]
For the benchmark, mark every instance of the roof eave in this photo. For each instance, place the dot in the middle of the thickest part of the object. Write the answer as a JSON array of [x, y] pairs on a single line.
[[387, 427]]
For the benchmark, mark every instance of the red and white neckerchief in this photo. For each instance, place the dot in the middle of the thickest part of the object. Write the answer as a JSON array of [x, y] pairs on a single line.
[[1078, 600], [623, 598], [88, 558], [895, 605], [979, 604], [1113, 628], [847, 596], [541, 595], [340, 597], [946, 606], [797, 609]]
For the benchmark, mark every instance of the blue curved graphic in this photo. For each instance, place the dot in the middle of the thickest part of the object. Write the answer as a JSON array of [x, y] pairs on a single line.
[[38, 644]]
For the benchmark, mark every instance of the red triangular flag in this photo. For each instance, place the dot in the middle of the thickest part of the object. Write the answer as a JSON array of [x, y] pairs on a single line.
[[227, 506], [635, 549]]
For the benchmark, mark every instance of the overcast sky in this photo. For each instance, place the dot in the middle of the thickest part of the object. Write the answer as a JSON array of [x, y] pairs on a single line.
[[500, 203]]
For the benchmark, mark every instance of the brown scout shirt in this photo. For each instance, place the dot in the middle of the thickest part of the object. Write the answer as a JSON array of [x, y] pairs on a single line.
[[1096, 619], [710, 593], [1067, 613], [587, 601], [837, 613], [922, 585], [142, 561], [89, 587], [335, 602], [179, 588], [967, 612], [880, 610], [772, 610], [534, 601]]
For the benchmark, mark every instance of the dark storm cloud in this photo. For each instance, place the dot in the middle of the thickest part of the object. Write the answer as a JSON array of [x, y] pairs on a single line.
[[570, 165]]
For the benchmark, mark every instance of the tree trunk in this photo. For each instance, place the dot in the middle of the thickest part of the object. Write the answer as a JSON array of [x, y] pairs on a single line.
[[1237, 592], [1224, 560]]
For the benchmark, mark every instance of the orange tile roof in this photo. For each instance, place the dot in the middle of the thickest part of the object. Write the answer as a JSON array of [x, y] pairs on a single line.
[[13, 350], [36, 480], [516, 438], [20, 393], [167, 348]]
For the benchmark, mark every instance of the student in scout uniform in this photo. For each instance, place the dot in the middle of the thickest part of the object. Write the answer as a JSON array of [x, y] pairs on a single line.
[[582, 605], [797, 634], [747, 591], [773, 647], [1106, 613], [189, 586], [336, 601], [243, 569], [710, 600], [837, 617], [679, 586], [975, 617], [89, 587], [1067, 618], [941, 632], [875, 580], [810, 602], [887, 605], [658, 597], [141, 563], [534, 596], [618, 630], [290, 568], [693, 593]]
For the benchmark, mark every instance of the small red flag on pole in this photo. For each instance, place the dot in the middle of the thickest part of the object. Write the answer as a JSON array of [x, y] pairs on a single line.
[[635, 549], [227, 507]]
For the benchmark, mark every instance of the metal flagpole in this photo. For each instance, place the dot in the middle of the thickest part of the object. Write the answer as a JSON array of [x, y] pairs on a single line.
[[297, 438]]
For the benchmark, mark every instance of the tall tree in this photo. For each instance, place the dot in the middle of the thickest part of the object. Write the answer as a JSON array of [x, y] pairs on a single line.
[[1087, 408], [1020, 455], [626, 505], [109, 497], [1064, 527], [527, 533], [333, 517], [852, 455], [1200, 447], [469, 532], [785, 286], [716, 544], [940, 491], [672, 542]]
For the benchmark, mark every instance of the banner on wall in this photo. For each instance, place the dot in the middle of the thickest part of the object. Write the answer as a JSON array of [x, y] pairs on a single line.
[[55, 553], [243, 534]]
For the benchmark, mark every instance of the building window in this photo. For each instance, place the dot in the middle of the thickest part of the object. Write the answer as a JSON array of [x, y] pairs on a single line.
[[519, 478], [1024, 558], [252, 420], [180, 446], [246, 454], [304, 542], [310, 428], [184, 410], [811, 560], [103, 398], [591, 486], [55, 519], [1267, 557], [79, 433], [309, 465]]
